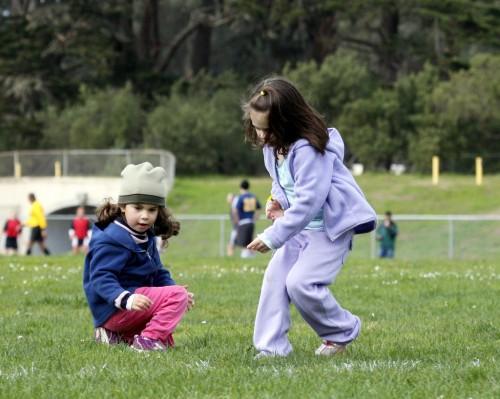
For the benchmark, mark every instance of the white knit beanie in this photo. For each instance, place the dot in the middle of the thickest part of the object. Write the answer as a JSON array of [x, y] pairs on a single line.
[[143, 183]]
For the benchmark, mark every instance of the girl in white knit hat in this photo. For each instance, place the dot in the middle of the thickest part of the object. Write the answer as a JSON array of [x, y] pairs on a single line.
[[132, 297]]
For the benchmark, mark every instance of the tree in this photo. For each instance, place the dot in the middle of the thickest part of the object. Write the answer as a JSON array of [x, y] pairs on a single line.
[[461, 117], [109, 118], [200, 122]]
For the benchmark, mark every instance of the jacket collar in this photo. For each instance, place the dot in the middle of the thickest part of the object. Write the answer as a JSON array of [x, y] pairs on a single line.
[[122, 237]]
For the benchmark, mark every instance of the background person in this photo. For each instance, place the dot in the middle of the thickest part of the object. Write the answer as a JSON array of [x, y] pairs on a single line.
[[232, 200], [79, 232], [38, 224], [12, 230], [245, 213], [386, 234]]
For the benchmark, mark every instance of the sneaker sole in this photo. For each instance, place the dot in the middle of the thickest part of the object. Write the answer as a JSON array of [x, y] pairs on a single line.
[[339, 351]]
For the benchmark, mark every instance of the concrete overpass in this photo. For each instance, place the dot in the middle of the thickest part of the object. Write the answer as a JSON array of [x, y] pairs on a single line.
[[61, 193]]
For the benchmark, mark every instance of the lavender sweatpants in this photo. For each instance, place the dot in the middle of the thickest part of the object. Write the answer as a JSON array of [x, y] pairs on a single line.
[[300, 272]]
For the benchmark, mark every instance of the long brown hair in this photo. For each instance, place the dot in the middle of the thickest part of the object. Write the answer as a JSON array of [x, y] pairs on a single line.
[[165, 225], [290, 117]]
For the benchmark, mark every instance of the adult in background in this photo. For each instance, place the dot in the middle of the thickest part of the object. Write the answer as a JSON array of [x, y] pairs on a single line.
[[246, 213], [79, 232], [232, 201], [38, 224], [386, 234]]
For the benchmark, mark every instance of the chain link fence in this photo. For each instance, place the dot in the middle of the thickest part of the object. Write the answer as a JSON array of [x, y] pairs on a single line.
[[420, 237]]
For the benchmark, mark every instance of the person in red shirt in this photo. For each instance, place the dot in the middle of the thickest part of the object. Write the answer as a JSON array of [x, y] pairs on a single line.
[[79, 232], [12, 229]]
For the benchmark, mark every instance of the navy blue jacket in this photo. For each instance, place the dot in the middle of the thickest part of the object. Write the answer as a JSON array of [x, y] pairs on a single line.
[[115, 263]]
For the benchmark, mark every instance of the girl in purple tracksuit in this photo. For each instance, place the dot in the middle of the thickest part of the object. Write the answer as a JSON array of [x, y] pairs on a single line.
[[316, 207]]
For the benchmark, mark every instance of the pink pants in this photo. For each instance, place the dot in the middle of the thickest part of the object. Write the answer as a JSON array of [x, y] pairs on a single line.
[[157, 322]]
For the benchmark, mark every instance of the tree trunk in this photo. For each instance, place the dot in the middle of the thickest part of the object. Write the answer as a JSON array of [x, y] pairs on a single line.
[[323, 37], [199, 46], [198, 52], [148, 42], [21, 7], [388, 57]]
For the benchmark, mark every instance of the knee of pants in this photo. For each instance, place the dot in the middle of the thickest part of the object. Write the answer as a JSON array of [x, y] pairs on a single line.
[[177, 293], [181, 293], [295, 287]]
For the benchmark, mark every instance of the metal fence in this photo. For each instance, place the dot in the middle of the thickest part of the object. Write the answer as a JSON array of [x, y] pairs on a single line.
[[107, 162], [420, 236]]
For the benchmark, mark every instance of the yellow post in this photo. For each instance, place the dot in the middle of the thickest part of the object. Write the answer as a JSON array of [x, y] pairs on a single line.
[[435, 170], [17, 170], [57, 169], [479, 171]]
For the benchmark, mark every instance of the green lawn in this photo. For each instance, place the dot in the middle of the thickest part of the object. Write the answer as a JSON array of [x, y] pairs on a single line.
[[430, 330], [409, 194]]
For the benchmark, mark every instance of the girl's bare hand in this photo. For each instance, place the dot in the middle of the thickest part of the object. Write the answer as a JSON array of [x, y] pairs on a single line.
[[273, 210], [258, 245], [141, 302]]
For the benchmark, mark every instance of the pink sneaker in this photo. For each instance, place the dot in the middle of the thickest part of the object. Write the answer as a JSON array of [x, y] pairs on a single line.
[[142, 344]]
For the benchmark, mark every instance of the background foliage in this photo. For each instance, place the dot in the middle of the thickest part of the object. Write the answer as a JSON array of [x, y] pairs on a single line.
[[402, 80]]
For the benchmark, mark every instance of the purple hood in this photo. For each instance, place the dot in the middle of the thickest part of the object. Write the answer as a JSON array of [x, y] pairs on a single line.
[[320, 181]]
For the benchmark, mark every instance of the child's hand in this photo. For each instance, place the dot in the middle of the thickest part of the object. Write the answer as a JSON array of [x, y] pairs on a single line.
[[141, 302], [258, 245], [190, 298], [273, 210]]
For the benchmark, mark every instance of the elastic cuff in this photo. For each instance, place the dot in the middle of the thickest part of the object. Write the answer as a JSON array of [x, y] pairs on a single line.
[[123, 303], [130, 301], [266, 240], [118, 300]]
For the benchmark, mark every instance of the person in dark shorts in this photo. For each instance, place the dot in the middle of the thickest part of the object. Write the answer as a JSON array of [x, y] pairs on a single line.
[[246, 213], [38, 224], [12, 229]]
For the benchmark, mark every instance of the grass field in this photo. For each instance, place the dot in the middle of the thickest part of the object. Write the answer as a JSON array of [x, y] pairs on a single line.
[[410, 194], [431, 327], [430, 330]]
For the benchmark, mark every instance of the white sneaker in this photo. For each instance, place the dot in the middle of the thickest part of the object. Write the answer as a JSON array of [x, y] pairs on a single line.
[[266, 355], [328, 348], [247, 254]]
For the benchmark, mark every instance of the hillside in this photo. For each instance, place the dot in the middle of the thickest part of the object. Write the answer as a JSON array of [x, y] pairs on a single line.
[[409, 194]]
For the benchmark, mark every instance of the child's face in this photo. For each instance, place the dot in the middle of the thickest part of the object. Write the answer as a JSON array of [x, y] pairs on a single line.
[[260, 122], [140, 217]]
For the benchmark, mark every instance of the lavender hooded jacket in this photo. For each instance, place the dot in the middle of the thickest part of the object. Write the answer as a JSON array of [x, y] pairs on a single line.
[[320, 180]]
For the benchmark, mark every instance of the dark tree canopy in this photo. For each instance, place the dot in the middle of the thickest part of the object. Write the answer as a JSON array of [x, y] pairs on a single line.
[[403, 80]]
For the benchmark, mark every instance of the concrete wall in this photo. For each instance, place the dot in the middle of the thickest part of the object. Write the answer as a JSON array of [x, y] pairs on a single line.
[[55, 194]]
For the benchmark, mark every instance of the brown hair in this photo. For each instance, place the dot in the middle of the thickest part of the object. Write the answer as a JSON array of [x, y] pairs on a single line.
[[290, 117], [165, 225]]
